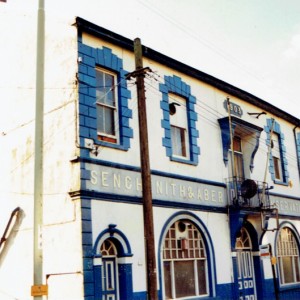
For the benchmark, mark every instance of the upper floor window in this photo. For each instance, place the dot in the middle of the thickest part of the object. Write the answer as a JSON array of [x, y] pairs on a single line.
[[179, 128], [278, 166], [179, 121], [238, 166], [107, 109], [276, 156], [288, 257], [104, 113], [245, 145]]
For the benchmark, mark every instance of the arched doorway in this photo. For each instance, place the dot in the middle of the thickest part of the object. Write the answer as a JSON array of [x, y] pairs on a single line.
[[112, 265], [110, 286], [245, 267]]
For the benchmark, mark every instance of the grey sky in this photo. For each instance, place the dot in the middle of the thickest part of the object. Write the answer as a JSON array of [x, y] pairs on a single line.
[[252, 44]]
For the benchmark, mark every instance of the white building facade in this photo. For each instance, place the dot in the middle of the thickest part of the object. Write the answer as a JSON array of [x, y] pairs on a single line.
[[217, 224]]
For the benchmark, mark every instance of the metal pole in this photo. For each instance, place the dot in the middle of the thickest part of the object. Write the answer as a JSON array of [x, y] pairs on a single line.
[[273, 262], [267, 164], [38, 157], [232, 152], [146, 175]]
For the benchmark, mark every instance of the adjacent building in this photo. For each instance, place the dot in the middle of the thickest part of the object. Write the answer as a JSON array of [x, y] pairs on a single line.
[[224, 169]]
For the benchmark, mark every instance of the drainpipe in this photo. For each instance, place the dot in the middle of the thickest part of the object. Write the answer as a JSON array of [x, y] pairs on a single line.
[[267, 164], [273, 262], [234, 178]]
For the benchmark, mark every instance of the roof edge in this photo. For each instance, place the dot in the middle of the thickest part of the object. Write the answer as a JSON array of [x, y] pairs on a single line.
[[119, 40]]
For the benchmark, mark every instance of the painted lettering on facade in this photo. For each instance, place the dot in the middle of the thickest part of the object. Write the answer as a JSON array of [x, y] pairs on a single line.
[[124, 182], [286, 206]]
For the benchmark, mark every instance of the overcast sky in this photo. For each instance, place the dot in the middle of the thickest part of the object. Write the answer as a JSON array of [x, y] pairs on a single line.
[[251, 44]]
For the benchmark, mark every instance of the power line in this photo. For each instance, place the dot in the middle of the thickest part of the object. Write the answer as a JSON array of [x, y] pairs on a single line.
[[221, 52], [213, 112]]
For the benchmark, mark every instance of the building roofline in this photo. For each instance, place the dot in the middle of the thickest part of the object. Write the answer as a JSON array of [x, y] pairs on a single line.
[[121, 41]]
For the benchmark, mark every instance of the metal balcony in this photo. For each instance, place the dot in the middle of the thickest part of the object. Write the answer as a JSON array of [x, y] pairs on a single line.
[[248, 193]]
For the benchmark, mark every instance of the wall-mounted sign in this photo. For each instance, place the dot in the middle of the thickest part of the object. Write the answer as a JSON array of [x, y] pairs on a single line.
[[128, 183], [264, 251], [235, 109]]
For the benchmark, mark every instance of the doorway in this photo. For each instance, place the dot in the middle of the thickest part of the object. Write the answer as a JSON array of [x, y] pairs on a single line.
[[245, 276], [109, 275]]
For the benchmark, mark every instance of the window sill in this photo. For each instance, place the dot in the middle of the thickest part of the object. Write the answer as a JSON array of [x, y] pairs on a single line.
[[290, 286], [111, 145], [276, 181], [182, 160]]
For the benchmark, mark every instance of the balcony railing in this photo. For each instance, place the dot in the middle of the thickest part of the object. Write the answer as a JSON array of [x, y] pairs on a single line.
[[248, 193]]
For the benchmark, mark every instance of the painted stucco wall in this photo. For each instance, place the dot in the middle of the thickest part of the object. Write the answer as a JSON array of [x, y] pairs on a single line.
[[62, 227], [209, 108]]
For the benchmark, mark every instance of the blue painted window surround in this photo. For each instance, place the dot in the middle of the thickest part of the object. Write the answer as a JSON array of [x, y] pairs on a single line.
[[89, 59], [282, 151], [244, 127], [298, 147], [174, 84]]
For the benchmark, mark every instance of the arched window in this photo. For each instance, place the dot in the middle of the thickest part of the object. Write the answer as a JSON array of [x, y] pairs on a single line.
[[243, 240], [108, 248], [288, 257], [184, 261]]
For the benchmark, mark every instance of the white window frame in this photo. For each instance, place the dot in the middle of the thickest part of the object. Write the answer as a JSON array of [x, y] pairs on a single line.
[[288, 248], [238, 161], [174, 251], [104, 136], [276, 157], [179, 123]]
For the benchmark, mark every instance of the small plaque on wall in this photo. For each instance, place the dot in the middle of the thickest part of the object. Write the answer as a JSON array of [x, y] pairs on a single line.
[[235, 109]]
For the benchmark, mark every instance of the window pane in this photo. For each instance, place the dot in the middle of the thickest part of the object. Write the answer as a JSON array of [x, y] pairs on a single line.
[[296, 262], [109, 84], [105, 120], [105, 88], [237, 145], [100, 90], [287, 269], [275, 145], [239, 167], [184, 278], [178, 141], [277, 167], [109, 121], [201, 277], [167, 278], [100, 118]]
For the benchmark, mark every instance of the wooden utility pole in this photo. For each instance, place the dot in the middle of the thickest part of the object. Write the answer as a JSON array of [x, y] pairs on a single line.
[[139, 73]]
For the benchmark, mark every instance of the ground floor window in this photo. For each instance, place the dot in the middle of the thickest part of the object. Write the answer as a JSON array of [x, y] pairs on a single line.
[[184, 261], [288, 257]]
